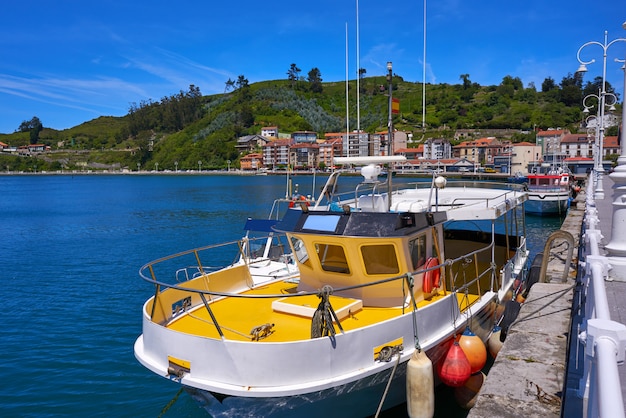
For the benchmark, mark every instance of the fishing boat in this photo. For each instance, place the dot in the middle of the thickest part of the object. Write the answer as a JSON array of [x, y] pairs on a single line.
[[324, 315], [548, 193]]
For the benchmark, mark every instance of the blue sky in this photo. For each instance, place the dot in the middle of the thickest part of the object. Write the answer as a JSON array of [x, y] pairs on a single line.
[[68, 61]]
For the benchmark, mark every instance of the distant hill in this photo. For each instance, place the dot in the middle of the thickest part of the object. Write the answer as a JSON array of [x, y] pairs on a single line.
[[188, 127]]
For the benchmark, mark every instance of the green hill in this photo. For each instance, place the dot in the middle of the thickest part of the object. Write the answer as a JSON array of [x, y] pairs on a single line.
[[188, 127]]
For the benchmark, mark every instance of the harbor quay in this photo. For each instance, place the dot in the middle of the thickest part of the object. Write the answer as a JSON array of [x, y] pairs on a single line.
[[539, 370]]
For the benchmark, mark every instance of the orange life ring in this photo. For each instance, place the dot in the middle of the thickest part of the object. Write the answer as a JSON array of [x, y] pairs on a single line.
[[302, 198], [432, 277]]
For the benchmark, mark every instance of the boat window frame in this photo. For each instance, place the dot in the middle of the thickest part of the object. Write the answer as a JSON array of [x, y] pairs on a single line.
[[373, 269], [299, 250], [339, 263], [420, 260]]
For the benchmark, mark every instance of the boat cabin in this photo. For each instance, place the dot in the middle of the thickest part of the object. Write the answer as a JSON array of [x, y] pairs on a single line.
[[347, 250]]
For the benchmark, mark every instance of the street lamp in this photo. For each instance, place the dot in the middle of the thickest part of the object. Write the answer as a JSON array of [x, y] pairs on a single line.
[[599, 193], [599, 131]]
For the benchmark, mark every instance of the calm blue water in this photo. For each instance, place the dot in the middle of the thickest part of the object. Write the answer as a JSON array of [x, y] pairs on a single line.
[[71, 248]]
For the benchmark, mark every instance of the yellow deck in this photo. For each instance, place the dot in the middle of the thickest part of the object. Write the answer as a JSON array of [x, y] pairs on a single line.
[[238, 316]]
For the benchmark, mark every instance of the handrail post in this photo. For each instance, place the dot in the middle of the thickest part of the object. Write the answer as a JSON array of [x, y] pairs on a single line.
[[605, 345]]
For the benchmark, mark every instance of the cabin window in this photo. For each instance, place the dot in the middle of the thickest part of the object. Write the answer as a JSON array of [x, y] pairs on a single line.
[[380, 259], [417, 249], [332, 258], [300, 250]]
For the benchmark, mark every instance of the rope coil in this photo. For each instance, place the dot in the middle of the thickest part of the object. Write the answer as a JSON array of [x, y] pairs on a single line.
[[262, 331], [322, 323]]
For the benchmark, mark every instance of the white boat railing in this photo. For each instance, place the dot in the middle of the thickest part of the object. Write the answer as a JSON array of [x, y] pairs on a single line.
[[603, 340], [187, 296]]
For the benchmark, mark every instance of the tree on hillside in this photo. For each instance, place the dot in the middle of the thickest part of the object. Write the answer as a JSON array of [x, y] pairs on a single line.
[[466, 81], [33, 126], [595, 86], [315, 80], [293, 75], [571, 88], [243, 89], [242, 82], [548, 84], [230, 85]]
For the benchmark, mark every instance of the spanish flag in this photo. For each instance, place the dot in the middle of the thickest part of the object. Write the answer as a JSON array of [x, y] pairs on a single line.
[[395, 105]]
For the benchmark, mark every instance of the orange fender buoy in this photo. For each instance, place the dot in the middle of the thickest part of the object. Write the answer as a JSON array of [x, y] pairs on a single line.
[[467, 394], [474, 349], [455, 368], [432, 278]]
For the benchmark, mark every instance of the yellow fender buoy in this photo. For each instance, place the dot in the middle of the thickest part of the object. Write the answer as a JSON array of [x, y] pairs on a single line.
[[420, 386], [493, 343]]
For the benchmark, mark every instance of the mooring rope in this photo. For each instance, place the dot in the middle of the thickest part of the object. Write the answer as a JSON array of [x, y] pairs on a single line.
[[410, 283], [558, 294], [234, 331], [382, 400], [170, 403], [322, 322]]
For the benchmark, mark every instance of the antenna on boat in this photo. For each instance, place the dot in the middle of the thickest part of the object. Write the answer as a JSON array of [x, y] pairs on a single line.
[[424, 79], [347, 90], [389, 132], [358, 77]]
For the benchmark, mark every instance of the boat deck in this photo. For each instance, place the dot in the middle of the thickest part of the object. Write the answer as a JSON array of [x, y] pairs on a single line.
[[237, 317]]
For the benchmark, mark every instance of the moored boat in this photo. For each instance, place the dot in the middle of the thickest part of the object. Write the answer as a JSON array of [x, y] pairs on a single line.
[[324, 314], [548, 194]]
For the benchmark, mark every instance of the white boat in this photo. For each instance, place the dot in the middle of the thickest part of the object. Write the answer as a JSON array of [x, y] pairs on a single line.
[[323, 318], [548, 194]]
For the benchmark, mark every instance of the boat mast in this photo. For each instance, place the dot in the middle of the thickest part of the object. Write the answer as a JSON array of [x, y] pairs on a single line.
[[358, 85], [389, 133], [347, 96], [424, 79]]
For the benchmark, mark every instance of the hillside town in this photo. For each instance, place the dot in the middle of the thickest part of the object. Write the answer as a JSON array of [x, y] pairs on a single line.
[[272, 151], [303, 150]]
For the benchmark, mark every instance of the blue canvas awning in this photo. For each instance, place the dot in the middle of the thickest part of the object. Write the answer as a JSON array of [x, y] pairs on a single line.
[[260, 225]]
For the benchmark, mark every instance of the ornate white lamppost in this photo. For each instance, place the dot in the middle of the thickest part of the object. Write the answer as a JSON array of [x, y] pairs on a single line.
[[599, 193], [617, 246], [598, 155]]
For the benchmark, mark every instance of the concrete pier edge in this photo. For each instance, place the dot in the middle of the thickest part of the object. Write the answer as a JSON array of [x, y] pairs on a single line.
[[527, 377]]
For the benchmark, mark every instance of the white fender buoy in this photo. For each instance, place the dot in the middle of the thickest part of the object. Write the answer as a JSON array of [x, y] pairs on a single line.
[[420, 386], [494, 342]]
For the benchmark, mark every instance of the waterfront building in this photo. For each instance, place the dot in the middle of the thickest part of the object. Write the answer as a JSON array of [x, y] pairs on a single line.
[[437, 148], [276, 153], [550, 138], [250, 143], [252, 161], [270, 131], [304, 156]]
